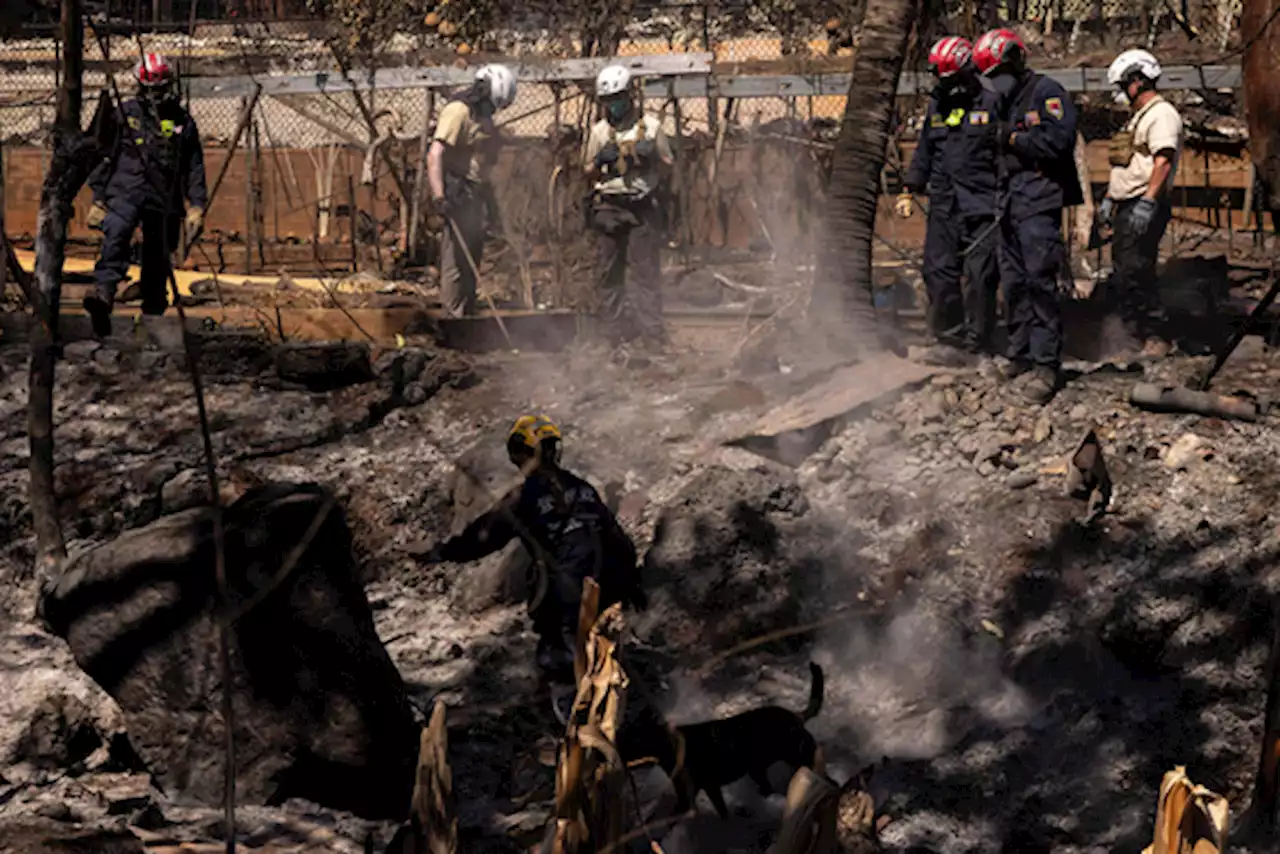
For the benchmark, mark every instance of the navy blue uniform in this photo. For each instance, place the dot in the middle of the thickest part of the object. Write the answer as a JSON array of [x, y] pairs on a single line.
[[571, 535], [156, 163], [1038, 179], [955, 164]]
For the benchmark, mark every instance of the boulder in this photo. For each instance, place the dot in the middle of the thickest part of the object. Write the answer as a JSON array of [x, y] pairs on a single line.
[[730, 556], [321, 712]]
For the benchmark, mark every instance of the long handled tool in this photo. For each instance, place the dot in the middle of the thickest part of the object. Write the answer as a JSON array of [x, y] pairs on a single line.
[[475, 271]]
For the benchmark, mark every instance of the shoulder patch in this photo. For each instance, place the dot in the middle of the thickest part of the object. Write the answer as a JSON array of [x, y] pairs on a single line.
[[1053, 106], [1032, 118], [979, 117]]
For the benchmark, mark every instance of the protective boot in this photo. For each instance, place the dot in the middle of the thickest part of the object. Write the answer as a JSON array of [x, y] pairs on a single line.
[[99, 311]]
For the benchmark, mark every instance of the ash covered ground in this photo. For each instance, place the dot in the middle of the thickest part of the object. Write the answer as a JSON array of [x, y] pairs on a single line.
[[1028, 678]]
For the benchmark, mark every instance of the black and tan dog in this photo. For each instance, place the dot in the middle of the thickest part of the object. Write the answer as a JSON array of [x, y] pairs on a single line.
[[703, 757]]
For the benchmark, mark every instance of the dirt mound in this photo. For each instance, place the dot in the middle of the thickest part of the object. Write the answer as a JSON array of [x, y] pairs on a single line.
[[732, 556]]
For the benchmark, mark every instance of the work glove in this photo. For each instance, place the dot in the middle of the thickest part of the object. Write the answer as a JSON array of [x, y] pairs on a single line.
[[97, 214], [195, 218], [646, 149], [1144, 211], [1105, 211], [608, 156], [902, 207]]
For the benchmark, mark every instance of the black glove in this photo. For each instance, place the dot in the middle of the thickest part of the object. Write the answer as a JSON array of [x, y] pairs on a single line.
[[442, 207], [646, 149], [1142, 214], [608, 156]]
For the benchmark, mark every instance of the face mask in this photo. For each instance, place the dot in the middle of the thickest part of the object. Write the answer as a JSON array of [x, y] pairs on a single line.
[[1121, 97], [617, 110], [1004, 83]]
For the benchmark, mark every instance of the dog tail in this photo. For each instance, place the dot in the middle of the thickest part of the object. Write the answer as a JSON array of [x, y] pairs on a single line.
[[816, 690]]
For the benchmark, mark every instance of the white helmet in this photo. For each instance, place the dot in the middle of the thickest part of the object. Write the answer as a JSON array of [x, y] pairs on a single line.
[[1130, 62], [502, 84], [612, 80]]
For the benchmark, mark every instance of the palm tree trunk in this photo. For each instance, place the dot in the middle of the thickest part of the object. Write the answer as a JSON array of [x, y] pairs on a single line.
[[844, 256]]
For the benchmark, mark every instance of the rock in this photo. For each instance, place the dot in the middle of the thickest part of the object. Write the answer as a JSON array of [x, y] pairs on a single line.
[[62, 732], [1021, 480], [731, 553], [414, 394], [993, 448], [499, 579], [1079, 412], [323, 367], [80, 351], [185, 490], [150, 361], [46, 836], [986, 468], [1183, 452], [943, 380], [315, 692], [1043, 429], [879, 433], [993, 405], [932, 409]]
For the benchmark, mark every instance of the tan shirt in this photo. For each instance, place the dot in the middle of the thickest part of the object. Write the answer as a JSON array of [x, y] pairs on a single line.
[[1156, 127], [470, 146], [639, 181]]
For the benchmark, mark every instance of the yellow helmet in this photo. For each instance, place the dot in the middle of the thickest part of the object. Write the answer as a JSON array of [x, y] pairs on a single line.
[[534, 435]]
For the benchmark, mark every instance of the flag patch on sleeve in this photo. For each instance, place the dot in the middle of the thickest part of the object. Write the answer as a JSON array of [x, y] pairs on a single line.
[[1053, 106]]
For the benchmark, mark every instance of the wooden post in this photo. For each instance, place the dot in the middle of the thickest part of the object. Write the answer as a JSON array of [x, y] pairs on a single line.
[[259, 211], [351, 220], [686, 228], [248, 201]]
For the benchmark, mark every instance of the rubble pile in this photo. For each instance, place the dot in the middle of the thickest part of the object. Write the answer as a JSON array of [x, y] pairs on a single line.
[[1025, 673]]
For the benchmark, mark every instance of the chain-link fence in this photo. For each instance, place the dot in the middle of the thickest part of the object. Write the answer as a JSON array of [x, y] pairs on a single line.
[[754, 115]]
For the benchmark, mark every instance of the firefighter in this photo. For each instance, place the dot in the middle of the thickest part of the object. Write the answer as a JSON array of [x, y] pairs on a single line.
[[156, 164], [568, 531], [463, 151], [955, 165], [1037, 179], [1136, 210], [627, 159]]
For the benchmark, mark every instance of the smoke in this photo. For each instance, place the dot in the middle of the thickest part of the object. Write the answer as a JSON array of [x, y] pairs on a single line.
[[912, 688]]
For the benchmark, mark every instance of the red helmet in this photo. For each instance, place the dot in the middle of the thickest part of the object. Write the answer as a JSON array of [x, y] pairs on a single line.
[[153, 70], [995, 47], [949, 55]]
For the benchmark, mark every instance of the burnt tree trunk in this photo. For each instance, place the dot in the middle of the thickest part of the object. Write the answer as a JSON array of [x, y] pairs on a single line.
[[74, 156], [1260, 33], [844, 280]]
